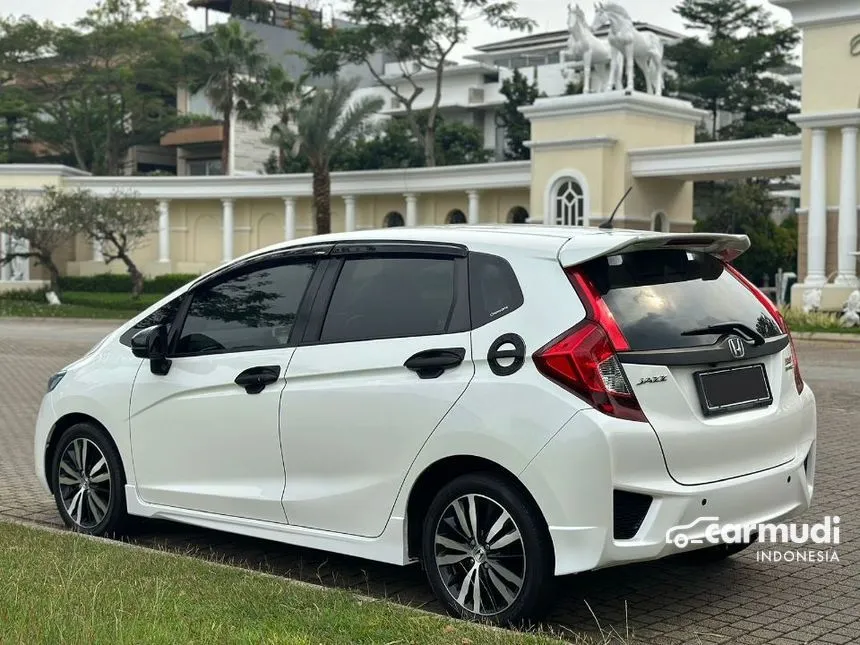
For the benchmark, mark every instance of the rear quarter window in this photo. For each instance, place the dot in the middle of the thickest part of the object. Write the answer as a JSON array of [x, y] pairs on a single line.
[[494, 290], [656, 296]]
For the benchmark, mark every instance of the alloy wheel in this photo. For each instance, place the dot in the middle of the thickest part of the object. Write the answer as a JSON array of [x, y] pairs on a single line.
[[480, 555], [85, 483]]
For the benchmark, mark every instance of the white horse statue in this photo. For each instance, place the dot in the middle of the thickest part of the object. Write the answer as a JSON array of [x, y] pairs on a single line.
[[595, 54], [645, 50]]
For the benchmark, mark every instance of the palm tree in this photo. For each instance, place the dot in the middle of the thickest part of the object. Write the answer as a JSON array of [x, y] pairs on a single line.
[[230, 67], [319, 127]]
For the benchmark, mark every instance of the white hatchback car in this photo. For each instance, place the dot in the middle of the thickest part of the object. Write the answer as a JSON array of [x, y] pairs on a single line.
[[501, 403]]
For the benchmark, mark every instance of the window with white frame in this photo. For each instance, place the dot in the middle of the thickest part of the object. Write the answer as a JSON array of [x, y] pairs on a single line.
[[569, 203]]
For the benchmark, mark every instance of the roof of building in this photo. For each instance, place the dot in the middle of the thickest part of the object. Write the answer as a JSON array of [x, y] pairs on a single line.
[[560, 37]]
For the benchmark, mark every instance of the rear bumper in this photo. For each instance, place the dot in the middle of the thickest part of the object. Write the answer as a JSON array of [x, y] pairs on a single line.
[[574, 477]]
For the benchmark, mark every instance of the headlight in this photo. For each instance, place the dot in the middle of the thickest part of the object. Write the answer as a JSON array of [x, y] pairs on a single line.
[[54, 381]]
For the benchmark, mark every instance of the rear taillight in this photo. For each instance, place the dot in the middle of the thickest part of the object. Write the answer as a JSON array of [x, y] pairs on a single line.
[[584, 360], [767, 303]]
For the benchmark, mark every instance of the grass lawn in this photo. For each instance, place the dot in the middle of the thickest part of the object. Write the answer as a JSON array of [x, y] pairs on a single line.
[[63, 588]]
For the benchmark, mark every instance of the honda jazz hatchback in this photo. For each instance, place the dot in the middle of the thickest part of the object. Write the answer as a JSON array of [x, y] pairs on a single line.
[[501, 404]]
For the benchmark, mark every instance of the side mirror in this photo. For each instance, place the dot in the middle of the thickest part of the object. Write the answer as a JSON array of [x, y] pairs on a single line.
[[151, 343]]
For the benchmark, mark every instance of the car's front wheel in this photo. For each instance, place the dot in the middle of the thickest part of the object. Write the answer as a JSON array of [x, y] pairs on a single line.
[[88, 481], [486, 550]]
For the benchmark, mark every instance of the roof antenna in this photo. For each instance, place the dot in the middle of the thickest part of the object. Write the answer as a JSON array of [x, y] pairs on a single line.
[[608, 223]]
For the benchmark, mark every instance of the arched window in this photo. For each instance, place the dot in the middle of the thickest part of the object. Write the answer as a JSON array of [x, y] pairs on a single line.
[[569, 203], [393, 219], [456, 216], [659, 222], [518, 215]]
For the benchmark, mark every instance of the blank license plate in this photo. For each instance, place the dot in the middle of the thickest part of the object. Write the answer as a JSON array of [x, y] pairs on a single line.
[[733, 389]]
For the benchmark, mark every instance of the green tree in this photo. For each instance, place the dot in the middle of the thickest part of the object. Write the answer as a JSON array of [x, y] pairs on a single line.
[[119, 224], [421, 34], [100, 87], [47, 222], [460, 143], [391, 144], [728, 67], [230, 67], [324, 126], [746, 208], [518, 92]]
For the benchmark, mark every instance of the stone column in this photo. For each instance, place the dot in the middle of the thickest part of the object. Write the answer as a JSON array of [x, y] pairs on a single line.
[[227, 230], [98, 256], [164, 230], [474, 206], [817, 231], [411, 209], [847, 263], [289, 218], [349, 219]]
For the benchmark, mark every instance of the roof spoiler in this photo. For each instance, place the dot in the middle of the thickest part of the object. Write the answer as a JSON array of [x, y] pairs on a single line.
[[581, 249]]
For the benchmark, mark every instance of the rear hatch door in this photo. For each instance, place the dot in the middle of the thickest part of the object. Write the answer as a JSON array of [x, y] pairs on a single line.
[[707, 360]]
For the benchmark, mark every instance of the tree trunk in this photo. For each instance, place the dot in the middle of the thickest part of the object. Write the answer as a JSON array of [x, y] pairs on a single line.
[[430, 146], [53, 272], [322, 199], [225, 143], [135, 274]]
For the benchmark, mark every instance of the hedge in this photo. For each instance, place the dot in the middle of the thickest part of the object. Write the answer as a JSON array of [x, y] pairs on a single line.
[[121, 283]]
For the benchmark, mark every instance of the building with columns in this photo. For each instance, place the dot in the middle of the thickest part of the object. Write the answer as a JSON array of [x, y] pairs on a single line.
[[587, 150], [830, 118]]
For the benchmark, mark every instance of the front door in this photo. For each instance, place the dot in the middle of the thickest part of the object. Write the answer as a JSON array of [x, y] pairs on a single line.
[[390, 357], [205, 435]]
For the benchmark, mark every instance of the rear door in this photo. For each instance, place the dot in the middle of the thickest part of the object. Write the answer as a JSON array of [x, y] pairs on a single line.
[[385, 356], [708, 361]]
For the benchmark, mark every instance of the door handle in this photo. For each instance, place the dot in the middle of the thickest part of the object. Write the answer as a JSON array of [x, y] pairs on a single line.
[[255, 379], [432, 363]]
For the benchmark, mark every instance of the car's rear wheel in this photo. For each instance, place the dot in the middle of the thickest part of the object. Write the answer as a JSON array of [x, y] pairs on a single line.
[[486, 550], [88, 482]]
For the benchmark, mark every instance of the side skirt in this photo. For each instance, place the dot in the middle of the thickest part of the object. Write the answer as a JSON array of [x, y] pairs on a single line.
[[390, 547]]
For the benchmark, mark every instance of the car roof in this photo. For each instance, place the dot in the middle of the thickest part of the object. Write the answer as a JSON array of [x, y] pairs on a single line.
[[543, 239]]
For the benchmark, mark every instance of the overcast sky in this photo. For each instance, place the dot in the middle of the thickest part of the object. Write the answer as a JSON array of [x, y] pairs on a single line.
[[549, 14]]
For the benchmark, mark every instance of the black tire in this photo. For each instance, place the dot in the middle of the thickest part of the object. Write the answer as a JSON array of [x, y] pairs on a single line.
[[492, 496], [102, 508], [713, 554]]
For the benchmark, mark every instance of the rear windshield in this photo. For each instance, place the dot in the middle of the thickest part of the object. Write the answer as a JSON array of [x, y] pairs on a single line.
[[657, 296]]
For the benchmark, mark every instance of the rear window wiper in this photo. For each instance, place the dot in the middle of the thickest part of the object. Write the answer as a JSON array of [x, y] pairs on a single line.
[[729, 328]]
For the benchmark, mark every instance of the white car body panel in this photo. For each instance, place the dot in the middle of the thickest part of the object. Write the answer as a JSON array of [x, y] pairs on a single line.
[[328, 456], [200, 442], [353, 420]]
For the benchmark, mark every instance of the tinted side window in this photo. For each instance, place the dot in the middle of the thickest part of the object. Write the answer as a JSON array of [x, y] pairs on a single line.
[[390, 297], [254, 310], [493, 288], [164, 315]]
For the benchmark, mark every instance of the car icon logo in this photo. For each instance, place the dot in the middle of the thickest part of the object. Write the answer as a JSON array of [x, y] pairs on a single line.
[[679, 535], [736, 347]]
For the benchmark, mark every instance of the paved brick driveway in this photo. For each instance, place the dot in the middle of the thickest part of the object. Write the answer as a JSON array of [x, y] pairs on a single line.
[[743, 601]]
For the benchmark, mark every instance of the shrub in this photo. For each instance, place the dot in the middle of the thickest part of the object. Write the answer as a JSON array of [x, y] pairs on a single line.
[[799, 320], [113, 301], [24, 295], [121, 283]]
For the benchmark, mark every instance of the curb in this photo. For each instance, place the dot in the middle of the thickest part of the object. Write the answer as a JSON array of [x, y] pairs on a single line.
[[833, 337]]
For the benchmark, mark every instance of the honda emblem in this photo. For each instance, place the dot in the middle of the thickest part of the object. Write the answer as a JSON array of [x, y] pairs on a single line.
[[736, 346]]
